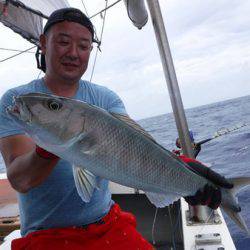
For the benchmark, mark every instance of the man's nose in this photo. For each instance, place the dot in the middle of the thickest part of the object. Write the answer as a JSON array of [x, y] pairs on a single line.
[[73, 51]]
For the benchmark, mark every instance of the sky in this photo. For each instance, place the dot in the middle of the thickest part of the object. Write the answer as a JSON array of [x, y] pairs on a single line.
[[210, 46]]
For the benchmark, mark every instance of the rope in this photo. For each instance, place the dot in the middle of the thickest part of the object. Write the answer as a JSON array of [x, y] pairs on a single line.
[[39, 13], [106, 8], [17, 50], [98, 47], [86, 11], [85, 8], [17, 54]]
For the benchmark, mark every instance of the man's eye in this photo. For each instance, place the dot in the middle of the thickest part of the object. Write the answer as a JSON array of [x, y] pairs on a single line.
[[64, 43], [84, 47]]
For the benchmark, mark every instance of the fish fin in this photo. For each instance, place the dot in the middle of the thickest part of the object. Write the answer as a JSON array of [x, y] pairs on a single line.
[[161, 200], [133, 124], [239, 183], [85, 182]]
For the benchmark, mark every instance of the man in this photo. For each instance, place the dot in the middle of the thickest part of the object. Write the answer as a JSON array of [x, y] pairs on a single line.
[[196, 146], [52, 214]]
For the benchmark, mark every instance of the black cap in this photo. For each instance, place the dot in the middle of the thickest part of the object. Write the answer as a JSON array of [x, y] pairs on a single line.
[[72, 15], [60, 15]]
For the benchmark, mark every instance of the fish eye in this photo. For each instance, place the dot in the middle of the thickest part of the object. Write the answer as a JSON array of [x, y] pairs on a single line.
[[54, 105]]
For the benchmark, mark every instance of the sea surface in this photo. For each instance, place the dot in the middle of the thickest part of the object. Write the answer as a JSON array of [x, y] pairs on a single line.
[[228, 154]]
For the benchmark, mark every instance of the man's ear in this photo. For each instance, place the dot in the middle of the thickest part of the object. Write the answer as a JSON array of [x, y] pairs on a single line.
[[43, 40]]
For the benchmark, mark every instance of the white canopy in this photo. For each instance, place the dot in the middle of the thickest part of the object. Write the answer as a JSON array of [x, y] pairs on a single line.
[[20, 16]]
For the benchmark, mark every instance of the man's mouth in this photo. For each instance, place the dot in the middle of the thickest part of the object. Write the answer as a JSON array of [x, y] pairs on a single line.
[[70, 65]]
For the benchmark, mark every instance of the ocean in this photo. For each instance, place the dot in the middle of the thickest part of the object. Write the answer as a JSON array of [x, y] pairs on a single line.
[[228, 154]]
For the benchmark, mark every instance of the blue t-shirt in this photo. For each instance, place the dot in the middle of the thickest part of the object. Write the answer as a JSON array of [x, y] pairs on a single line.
[[55, 202]]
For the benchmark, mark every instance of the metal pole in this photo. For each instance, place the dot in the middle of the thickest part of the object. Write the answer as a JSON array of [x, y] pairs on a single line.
[[170, 76], [201, 212]]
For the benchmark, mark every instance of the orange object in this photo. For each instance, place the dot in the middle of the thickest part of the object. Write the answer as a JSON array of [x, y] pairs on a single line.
[[7, 193], [9, 212], [117, 230]]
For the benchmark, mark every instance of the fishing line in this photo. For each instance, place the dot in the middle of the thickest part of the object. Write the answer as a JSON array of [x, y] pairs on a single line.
[[153, 227], [199, 232], [222, 132], [206, 221], [98, 47]]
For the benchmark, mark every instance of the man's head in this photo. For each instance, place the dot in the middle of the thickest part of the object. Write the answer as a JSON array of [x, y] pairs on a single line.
[[178, 141], [66, 44], [71, 15]]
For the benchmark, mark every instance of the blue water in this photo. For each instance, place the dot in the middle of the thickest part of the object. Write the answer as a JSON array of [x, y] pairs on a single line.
[[228, 154]]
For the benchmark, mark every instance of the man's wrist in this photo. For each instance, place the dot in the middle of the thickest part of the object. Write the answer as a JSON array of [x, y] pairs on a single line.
[[45, 154]]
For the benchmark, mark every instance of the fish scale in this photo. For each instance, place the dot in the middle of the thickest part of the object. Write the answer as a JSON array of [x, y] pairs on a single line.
[[136, 158]]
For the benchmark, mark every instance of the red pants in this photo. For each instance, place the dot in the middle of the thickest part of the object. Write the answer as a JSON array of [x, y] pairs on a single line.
[[117, 230]]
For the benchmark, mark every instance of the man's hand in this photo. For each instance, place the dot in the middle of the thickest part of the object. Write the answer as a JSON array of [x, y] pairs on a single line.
[[209, 195]]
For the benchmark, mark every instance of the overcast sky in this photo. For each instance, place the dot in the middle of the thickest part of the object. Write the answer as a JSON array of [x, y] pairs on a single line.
[[209, 40]]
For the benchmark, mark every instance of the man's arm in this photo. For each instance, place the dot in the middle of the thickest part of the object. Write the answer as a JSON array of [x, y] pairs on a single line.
[[25, 168]]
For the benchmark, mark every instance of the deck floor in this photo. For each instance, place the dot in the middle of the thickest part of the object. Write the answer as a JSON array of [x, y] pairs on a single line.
[[167, 229]]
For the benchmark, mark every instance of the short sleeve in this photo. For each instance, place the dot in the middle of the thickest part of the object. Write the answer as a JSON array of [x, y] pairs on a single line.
[[7, 124], [115, 104]]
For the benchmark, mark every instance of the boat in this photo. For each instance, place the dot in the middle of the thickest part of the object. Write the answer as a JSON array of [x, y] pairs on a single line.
[[174, 227]]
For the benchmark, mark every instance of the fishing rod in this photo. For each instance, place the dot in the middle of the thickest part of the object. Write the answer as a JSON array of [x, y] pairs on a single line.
[[220, 133]]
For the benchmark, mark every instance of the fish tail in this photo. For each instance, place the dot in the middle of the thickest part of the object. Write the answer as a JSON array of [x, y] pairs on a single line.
[[239, 183]]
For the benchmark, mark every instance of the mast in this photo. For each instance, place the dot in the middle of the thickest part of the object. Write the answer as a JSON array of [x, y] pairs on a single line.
[[198, 212], [170, 76]]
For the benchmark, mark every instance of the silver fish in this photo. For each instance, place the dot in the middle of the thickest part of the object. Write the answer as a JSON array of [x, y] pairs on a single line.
[[99, 143]]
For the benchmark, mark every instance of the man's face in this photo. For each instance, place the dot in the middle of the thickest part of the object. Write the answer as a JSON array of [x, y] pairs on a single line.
[[67, 47]]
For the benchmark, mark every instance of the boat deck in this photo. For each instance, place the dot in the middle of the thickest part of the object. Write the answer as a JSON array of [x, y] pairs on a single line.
[[167, 232]]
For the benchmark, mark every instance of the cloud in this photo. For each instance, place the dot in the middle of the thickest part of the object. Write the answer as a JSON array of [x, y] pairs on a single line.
[[209, 41]]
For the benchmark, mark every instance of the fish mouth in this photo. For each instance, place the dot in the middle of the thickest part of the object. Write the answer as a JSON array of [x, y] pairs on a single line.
[[19, 110], [15, 110]]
